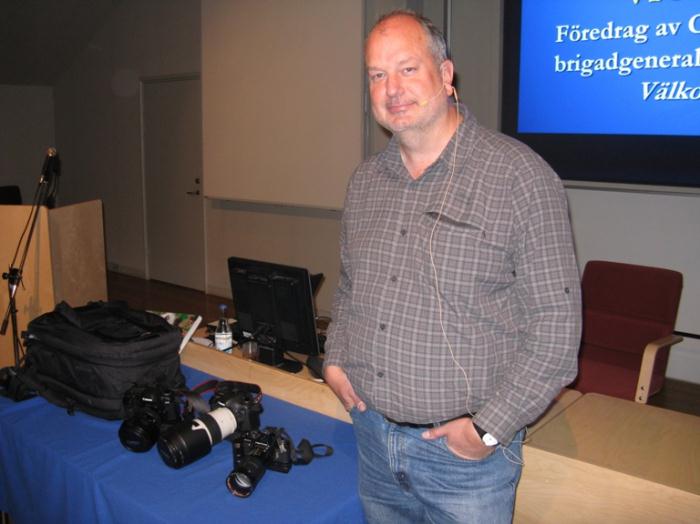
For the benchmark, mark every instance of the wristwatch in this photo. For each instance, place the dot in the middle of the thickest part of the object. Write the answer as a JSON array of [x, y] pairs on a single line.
[[487, 438]]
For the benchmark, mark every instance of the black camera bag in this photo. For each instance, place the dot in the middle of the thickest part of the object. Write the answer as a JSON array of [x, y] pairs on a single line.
[[86, 358]]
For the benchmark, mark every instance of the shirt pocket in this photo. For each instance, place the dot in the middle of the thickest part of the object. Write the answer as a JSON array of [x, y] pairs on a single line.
[[470, 257]]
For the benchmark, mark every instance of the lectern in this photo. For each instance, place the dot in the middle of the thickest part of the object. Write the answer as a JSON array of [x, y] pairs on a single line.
[[66, 261]]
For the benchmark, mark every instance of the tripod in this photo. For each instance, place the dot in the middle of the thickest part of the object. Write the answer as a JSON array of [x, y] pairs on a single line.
[[45, 194]]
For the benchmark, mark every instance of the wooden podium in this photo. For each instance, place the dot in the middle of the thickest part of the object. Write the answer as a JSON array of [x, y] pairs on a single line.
[[65, 261]]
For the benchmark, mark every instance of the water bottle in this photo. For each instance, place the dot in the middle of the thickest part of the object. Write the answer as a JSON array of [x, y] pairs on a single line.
[[223, 338]]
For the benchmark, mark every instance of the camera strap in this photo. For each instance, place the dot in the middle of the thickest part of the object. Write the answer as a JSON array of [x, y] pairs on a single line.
[[197, 403], [193, 398], [15, 385], [245, 387], [306, 452]]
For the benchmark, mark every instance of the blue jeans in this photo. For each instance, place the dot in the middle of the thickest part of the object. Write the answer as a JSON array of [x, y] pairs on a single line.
[[404, 478]]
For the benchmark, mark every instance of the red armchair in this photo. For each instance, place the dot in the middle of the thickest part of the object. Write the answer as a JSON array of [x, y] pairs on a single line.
[[629, 313]]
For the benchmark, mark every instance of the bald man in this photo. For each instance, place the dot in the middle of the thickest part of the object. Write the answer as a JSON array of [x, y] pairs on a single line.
[[457, 315]]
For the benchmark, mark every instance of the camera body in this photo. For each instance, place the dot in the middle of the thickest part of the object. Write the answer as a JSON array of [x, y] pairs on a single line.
[[270, 446], [154, 413], [149, 411], [235, 409], [244, 404], [255, 452]]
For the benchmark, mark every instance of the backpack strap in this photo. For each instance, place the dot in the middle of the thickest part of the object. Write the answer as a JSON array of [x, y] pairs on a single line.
[[13, 386]]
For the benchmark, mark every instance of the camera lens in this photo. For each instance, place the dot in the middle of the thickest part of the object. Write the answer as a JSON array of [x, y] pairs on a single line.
[[140, 432], [187, 442], [242, 480], [239, 484]]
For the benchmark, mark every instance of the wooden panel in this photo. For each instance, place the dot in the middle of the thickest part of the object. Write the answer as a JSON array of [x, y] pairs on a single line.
[[36, 295], [563, 400], [78, 253], [639, 440], [605, 459], [556, 489], [65, 261]]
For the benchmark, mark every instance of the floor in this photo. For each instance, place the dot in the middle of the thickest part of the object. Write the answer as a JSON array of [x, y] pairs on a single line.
[[160, 296]]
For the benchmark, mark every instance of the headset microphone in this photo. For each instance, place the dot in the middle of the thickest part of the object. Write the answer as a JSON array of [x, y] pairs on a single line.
[[425, 102]]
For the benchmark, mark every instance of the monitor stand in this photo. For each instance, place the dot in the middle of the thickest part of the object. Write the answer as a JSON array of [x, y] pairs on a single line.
[[290, 365], [272, 357]]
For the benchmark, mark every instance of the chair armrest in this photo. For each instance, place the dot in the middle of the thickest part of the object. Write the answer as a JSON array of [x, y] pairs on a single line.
[[648, 360]]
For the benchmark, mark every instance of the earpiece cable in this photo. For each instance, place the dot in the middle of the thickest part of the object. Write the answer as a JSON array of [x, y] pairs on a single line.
[[432, 259], [507, 454]]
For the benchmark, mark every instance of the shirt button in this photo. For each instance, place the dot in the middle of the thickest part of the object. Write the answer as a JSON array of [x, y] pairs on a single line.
[[380, 374], [382, 326], [403, 232], [394, 278]]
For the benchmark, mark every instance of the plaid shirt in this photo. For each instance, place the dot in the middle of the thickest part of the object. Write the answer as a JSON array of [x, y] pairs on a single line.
[[508, 285]]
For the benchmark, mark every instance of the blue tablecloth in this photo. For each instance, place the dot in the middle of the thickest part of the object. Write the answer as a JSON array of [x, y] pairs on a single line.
[[60, 468]]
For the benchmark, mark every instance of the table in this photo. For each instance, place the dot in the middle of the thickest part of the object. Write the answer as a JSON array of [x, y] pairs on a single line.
[[605, 459], [588, 459], [298, 388], [60, 468], [562, 401]]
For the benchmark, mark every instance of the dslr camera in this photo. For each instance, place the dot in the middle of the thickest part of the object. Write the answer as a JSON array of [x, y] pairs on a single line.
[[235, 409], [255, 452], [149, 411]]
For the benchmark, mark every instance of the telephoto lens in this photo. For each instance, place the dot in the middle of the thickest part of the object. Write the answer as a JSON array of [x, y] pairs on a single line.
[[190, 441]]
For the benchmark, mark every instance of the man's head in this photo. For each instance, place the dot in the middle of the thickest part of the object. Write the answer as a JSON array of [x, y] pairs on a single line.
[[435, 38], [409, 73]]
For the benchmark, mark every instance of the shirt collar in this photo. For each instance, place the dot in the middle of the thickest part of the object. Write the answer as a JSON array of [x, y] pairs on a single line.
[[390, 157]]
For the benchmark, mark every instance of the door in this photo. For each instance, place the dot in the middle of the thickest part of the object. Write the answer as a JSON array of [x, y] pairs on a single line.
[[172, 149]]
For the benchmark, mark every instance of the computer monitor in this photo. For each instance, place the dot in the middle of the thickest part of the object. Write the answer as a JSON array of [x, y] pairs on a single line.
[[274, 305]]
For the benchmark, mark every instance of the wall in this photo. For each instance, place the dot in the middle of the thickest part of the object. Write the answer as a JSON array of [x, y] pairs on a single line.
[[98, 131], [98, 113], [648, 228], [285, 193], [27, 131], [289, 235], [476, 52], [281, 100]]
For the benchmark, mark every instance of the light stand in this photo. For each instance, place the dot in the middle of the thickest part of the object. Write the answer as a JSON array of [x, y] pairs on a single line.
[[45, 193]]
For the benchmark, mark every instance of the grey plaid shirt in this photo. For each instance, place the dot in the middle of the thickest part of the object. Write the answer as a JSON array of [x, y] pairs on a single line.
[[508, 285]]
